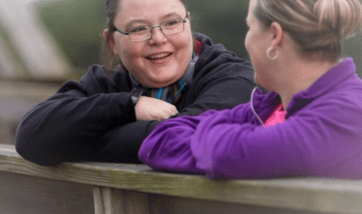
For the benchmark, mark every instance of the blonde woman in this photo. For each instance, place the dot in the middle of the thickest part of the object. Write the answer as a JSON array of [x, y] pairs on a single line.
[[310, 122]]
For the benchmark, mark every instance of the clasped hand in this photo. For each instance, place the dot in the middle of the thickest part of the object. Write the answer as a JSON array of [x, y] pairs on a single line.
[[148, 108]]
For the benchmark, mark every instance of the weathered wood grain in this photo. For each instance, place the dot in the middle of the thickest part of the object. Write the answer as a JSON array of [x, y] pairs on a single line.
[[160, 204], [22, 194], [135, 202], [299, 194], [115, 201], [107, 201]]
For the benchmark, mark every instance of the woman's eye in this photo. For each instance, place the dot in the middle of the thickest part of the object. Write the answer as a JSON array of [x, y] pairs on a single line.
[[138, 29], [171, 22]]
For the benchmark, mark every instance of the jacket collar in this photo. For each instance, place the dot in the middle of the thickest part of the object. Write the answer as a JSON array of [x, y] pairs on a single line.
[[264, 104], [330, 80]]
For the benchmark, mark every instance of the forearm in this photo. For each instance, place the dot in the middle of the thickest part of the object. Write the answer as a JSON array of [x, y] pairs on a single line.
[[168, 145], [222, 144], [121, 144], [67, 128]]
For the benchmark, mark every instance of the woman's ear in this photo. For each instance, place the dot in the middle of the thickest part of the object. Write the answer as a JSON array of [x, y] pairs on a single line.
[[110, 40], [277, 34]]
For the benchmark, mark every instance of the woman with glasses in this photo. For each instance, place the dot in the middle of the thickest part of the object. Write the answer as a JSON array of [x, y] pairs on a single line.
[[159, 69], [309, 124]]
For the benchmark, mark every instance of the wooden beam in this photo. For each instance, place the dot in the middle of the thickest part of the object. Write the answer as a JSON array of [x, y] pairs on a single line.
[[28, 195], [298, 194]]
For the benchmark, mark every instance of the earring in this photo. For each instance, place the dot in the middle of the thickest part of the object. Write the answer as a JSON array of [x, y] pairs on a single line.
[[270, 49]]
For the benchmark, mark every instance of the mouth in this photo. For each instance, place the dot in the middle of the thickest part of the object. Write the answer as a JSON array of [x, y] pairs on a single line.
[[159, 56]]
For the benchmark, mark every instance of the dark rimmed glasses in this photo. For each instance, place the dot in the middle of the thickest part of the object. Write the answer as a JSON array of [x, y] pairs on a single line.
[[142, 33]]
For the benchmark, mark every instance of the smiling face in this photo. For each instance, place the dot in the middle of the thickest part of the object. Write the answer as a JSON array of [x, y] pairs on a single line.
[[161, 60]]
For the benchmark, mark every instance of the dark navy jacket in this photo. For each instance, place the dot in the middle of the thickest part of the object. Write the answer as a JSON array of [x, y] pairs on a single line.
[[94, 119]]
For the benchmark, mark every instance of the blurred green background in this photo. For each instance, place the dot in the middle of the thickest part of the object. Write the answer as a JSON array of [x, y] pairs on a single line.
[[77, 26], [46, 44]]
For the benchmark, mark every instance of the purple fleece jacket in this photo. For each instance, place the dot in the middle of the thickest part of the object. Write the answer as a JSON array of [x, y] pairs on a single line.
[[321, 136]]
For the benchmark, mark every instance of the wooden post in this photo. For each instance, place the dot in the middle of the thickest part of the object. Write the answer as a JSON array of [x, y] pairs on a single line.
[[116, 201]]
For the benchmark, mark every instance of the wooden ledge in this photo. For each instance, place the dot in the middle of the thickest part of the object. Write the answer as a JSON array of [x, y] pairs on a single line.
[[303, 194]]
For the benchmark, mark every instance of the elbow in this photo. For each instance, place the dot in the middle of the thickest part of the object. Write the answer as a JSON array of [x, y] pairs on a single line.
[[145, 156], [27, 146], [33, 156], [224, 166]]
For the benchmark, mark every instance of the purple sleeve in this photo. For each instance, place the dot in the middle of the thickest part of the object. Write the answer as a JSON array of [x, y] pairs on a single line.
[[168, 145], [316, 142]]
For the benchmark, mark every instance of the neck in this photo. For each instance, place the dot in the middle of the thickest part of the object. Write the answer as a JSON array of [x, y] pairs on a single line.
[[299, 75]]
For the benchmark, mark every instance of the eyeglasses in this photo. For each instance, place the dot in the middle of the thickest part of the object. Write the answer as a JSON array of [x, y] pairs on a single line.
[[142, 33]]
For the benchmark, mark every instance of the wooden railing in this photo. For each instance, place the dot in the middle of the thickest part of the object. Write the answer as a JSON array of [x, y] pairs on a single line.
[[105, 188]]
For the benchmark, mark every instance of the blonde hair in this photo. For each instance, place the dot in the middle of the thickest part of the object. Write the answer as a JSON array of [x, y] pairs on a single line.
[[318, 27]]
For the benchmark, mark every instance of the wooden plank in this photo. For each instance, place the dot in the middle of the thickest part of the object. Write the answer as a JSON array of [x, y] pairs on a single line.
[[307, 194], [107, 201], [115, 201], [135, 202], [161, 204], [28, 195]]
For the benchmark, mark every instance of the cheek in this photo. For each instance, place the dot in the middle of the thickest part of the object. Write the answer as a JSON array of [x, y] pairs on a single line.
[[184, 42], [249, 40], [184, 47], [246, 42], [130, 52], [254, 46]]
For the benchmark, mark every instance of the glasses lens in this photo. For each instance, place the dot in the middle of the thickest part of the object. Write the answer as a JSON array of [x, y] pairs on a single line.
[[172, 26], [140, 34]]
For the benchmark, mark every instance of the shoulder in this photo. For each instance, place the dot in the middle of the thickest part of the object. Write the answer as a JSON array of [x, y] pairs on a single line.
[[215, 52], [338, 90], [121, 79], [346, 96], [215, 60], [89, 84], [97, 81], [341, 107]]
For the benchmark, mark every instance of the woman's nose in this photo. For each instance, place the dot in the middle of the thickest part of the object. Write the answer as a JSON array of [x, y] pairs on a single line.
[[157, 36]]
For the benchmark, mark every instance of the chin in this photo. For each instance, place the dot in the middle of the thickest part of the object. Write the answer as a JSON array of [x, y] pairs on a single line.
[[256, 79], [159, 83], [258, 83], [167, 79]]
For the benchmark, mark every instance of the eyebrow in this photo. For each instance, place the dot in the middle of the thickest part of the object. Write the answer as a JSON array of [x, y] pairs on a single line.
[[132, 21]]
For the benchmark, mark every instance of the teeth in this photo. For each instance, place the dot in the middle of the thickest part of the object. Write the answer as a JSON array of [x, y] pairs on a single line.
[[158, 56]]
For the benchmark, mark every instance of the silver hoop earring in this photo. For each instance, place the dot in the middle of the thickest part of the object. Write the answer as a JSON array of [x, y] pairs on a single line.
[[270, 49]]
